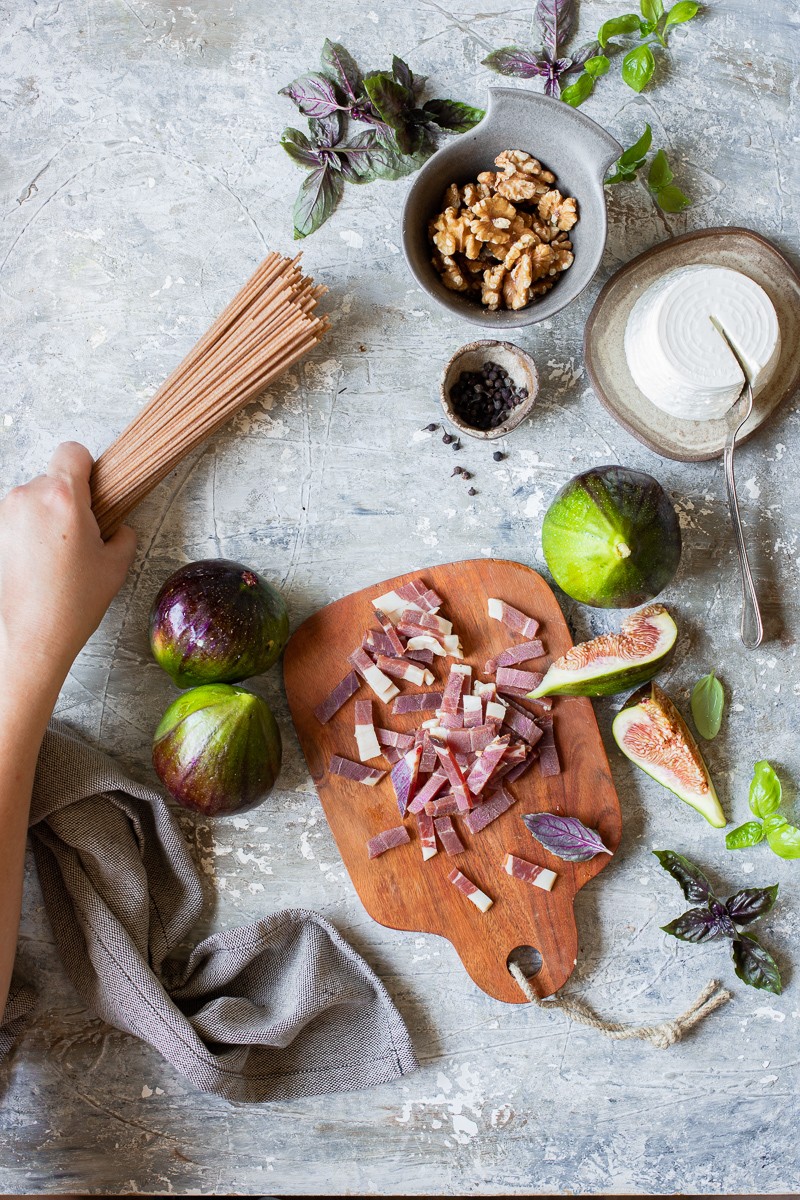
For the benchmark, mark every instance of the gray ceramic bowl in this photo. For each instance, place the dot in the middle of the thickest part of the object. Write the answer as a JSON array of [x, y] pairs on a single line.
[[520, 367], [576, 149]]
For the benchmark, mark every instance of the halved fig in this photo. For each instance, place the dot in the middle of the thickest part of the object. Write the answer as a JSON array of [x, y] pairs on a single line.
[[615, 662], [653, 734]]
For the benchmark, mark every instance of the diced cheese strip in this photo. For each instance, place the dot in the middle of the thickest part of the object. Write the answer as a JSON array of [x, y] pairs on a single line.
[[520, 868], [473, 893], [425, 642]]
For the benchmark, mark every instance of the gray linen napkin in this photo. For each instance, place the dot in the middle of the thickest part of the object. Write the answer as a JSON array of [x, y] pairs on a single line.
[[275, 1010]]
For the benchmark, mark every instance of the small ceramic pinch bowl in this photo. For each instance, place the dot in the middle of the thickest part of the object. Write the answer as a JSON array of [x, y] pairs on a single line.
[[575, 148], [520, 367]]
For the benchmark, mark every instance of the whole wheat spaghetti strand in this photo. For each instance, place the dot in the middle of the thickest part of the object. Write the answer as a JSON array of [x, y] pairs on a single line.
[[266, 328]]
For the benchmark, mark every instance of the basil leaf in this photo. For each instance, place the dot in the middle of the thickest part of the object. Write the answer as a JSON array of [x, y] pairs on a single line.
[[629, 23], [597, 65], [368, 156], [684, 11], [754, 965], [749, 834], [566, 837], [391, 101], [694, 884], [765, 790], [453, 115], [577, 92], [659, 174], [340, 65], [652, 11], [708, 695], [637, 67], [635, 154], [320, 192], [515, 61], [556, 19], [298, 147], [783, 838], [750, 903], [583, 54], [620, 176], [326, 131], [313, 94], [701, 924], [672, 199], [402, 74]]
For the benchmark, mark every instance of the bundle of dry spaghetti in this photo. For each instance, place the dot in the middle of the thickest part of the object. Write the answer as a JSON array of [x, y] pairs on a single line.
[[266, 328]]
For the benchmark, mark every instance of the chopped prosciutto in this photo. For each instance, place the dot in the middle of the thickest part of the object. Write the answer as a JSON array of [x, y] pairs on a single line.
[[429, 760], [392, 754], [429, 789], [405, 774], [448, 835], [339, 696], [542, 706], [473, 893], [376, 642], [348, 769], [445, 806], [390, 737], [427, 642], [412, 630], [468, 741], [473, 711], [498, 803], [454, 773], [516, 682], [381, 685], [411, 591], [520, 868], [418, 702], [366, 738], [429, 601], [426, 620], [422, 656], [513, 619], [487, 764], [390, 633], [548, 754], [388, 840], [523, 725], [514, 654], [427, 835], [521, 767], [460, 673], [400, 668]]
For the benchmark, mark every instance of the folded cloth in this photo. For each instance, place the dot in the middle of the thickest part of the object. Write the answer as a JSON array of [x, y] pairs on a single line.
[[275, 1010]]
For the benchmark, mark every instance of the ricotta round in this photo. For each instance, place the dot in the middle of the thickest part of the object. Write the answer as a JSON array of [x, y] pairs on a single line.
[[677, 357]]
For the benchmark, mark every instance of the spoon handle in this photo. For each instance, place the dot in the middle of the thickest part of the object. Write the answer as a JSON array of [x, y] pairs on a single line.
[[752, 628]]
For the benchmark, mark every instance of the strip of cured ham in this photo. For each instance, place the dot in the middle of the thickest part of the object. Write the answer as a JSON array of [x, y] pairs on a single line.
[[514, 654], [473, 893], [516, 682], [549, 763], [456, 684], [401, 668], [445, 806], [520, 868], [348, 769], [366, 738], [405, 775], [513, 619], [430, 788], [448, 836], [523, 725], [427, 835], [381, 685], [338, 697], [498, 803], [487, 764], [388, 840], [417, 702], [390, 633]]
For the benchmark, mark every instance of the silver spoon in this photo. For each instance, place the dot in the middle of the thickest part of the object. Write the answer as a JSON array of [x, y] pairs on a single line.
[[752, 628]]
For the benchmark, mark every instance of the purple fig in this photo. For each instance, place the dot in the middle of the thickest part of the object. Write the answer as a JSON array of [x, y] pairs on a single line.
[[217, 750], [215, 621]]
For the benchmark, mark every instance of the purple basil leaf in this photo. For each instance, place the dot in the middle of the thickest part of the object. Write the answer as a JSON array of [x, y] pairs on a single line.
[[697, 925], [313, 94], [693, 882], [320, 192], [551, 86], [750, 903], [391, 102], [340, 65], [453, 115], [516, 61], [326, 131], [298, 147], [566, 837], [403, 75], [754, 965], [580, 56], [556, 19]]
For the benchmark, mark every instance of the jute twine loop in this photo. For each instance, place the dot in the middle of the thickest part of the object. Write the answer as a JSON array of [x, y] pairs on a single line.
[[662, 1036]]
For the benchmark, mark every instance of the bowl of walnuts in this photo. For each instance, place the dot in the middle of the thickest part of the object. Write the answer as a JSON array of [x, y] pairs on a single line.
[[506, 225]]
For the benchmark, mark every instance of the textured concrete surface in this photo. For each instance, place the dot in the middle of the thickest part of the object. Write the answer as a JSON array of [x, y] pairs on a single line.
[[141, 183]]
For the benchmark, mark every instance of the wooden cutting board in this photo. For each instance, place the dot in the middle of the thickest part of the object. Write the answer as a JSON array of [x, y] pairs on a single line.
[[398, 889]]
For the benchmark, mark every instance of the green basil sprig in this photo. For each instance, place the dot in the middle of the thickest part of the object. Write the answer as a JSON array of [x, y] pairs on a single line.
[[659, 177], [708, 705], [765, 799], [651, 27], [713, 919]]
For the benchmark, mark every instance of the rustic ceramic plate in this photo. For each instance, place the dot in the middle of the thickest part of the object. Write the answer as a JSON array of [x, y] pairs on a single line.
[[603, 343]]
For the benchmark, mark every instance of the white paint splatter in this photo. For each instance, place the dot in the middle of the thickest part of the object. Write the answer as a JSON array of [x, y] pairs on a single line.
[[535, 504], [771, 1014], [753, 490], [146, 1092], [351, 238]]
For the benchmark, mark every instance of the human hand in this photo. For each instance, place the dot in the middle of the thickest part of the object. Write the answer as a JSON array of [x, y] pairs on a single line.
[[57, 575]]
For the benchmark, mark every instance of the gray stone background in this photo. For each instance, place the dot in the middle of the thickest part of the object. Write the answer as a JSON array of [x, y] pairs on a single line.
[[141, 183]]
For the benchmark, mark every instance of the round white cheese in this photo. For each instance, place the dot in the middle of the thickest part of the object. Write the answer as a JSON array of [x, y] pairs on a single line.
[[677, 357]]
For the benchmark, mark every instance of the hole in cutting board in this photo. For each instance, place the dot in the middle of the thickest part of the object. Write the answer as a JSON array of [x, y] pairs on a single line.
[[527, 958]]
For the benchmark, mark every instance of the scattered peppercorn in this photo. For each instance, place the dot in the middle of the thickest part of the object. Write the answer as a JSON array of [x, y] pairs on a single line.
[[432, 427], [457, 471], [465, 474], [456, 444], [447, 438], [472, 492], [498, 456], [486, 398]]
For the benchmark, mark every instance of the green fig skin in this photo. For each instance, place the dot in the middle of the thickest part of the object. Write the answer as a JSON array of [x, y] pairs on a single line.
[[609, 685], [611, 538], [217, 750], [216, 621]]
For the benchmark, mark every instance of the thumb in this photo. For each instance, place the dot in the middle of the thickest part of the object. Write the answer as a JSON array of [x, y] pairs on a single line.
[[119, 553]]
